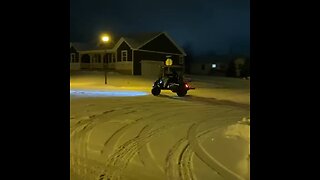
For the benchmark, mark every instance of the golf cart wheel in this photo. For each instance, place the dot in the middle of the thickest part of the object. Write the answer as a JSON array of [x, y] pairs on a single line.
[[182, 92], [156, 91]]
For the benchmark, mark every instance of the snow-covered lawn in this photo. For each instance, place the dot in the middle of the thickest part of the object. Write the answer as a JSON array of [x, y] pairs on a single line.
[[221, 88], [134, 135]]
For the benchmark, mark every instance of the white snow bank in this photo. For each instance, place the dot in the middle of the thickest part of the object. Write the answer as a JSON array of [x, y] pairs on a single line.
[[241, 130]]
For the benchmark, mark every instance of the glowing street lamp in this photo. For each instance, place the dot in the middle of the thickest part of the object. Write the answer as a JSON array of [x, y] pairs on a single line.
[[105, 39]]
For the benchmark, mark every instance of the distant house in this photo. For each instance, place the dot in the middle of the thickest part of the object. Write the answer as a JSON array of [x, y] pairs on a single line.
[[217, 64], [137, 54], [209, 65]]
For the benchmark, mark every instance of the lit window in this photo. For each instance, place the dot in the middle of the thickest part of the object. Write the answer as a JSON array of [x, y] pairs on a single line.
[[124, 55], [214, 66]]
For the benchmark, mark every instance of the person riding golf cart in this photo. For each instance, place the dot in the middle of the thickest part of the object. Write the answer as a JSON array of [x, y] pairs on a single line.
[[171, 78]]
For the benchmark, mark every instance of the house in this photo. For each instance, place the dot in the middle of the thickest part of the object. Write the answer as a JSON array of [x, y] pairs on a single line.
[[209, 65], [218, 64], [90, 55], [136, 54]]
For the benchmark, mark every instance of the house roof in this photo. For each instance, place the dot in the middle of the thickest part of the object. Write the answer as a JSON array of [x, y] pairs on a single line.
[[91, 46], [80, 46], [135, 41], [138, 39]]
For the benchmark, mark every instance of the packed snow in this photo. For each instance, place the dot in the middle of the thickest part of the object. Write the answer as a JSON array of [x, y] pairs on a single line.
[[119, 130]]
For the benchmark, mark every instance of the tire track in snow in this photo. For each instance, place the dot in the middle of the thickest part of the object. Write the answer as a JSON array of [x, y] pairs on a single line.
[[79, 135], [185, 161], [137, 145], [145, 152], [206, 157], [210, 101], [121, 157], [176, 165], [179, 158], [85, 126], [110, 142], [119, 160]]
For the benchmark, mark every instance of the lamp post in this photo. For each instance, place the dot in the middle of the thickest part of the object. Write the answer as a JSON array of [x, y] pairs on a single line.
[[105, 39]]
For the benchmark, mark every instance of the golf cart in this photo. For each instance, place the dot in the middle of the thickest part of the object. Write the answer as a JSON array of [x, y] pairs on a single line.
[[171, 78]]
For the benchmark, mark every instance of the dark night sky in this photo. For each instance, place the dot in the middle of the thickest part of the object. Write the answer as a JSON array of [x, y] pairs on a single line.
[[207, 25]]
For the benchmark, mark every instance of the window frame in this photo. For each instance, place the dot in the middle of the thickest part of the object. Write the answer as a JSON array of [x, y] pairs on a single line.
[[124, 58]]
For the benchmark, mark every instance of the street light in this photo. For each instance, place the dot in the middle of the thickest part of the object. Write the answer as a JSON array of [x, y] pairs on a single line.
[[105, 39]]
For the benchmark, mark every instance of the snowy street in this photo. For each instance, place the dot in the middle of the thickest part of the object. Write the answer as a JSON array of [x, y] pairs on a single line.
[[121, 131]]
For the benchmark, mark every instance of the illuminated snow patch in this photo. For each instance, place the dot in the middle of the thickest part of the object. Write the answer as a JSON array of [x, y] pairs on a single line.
[[90, 93]]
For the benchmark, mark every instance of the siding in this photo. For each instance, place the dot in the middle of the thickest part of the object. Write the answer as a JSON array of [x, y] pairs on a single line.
[[124, 46], [141, 55]]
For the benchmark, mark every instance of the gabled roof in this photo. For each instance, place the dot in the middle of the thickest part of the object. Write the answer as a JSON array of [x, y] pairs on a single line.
[[138, 39], [135, 41], [180, 49]]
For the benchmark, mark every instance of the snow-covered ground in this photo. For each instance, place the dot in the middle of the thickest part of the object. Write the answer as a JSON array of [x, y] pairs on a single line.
[[121, 131]]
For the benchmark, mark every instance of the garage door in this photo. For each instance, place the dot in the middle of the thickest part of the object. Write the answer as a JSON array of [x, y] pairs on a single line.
[[151, 68]]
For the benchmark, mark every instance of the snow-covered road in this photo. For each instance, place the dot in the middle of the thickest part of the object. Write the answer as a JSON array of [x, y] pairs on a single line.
[[164, 137]]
